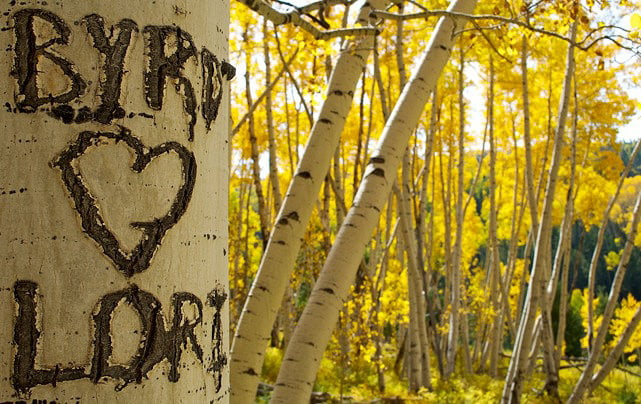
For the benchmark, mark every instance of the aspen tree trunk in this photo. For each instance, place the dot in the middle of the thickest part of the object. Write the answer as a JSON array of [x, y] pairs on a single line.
[[455, 296], [271, 136], [495, 268], [447, 225], [417, 327], [614, 355], [261, 307], [527, 140], [258, 186], [518, 203], [415, 283], [113, 212], [596, 255], [608, 312], [552, 352], [538, 282], [310, 338], [561, 264], [415, 346]]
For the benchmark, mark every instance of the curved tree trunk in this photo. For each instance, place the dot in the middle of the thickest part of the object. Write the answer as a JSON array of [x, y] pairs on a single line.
[[114, 224], [302, 358]]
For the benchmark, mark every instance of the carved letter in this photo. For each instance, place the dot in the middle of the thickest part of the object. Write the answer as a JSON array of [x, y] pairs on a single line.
[[28, 52], [183, 331], [148, 308], [161, 66], [216, 299], [113, 68], [212, 87], [25, 336], [157, 343]]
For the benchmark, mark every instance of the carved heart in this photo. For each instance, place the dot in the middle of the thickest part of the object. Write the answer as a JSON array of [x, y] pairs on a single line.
[[139, 259]]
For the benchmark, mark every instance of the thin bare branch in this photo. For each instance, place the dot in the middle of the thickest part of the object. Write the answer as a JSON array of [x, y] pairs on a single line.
[[310, 117], [262, 96], [616, 39], [295, 17]]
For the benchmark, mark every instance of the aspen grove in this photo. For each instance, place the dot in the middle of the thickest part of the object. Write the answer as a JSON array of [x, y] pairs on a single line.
[[433, 201]]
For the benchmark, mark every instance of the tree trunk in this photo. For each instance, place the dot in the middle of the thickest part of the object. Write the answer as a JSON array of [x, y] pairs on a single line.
[[114, 224], [255, 157], [615, 354], [494, 267], [271, 136], [596, 254], [456, 282], [608, 312], [302, 358], [527, 140]]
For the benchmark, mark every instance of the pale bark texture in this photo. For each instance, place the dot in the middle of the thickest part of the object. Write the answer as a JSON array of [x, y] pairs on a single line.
[[302, 358], [266, 294], [455, 296], [494, 267], [113, 215]]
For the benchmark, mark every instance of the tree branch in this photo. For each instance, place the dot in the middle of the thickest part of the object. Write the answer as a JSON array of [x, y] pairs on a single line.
[[262, 96], [294, 17], [480, 17]]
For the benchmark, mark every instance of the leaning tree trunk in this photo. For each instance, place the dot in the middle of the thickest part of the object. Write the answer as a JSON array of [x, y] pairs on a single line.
[[304, 352], [599, 340], [113, 202]]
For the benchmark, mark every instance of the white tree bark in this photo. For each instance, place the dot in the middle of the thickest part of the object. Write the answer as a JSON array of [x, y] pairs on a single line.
[[455, 295], [494, 267], [596, 254], [302, 358], [113, 202], [614, 355], [266, 294]]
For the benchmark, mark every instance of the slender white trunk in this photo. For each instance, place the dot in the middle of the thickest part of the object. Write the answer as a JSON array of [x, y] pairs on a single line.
[[596, 255], [302, 358], [614, 355], [455, 294], [113, 166], [271, 135], [527, 140], [415, 285], [608, 312], [494, 268]]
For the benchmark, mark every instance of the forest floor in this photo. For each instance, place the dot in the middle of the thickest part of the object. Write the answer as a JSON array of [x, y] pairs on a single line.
[[623, 385]]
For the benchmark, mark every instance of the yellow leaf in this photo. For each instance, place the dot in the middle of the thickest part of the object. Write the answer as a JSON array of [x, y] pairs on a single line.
[[635, 21]]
